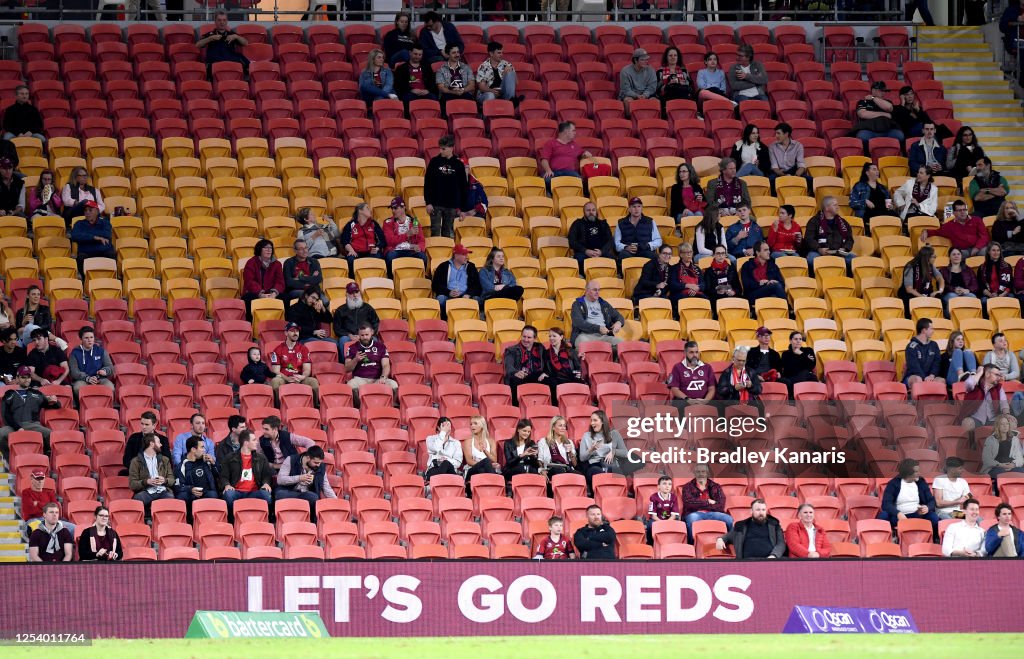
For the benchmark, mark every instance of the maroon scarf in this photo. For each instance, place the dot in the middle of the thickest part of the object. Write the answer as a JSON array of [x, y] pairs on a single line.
[[921, 194]]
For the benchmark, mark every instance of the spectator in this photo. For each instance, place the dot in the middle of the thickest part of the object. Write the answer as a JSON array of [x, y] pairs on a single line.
[[761, 277], [759, 536], [656, 278], [728, 191], [496, 77], [995, 276], [596, 540], [869, 198], [593, 319], [691, 380], [907, 496], [21, 408], [444, 188], [711, 83], [560, 156], [197, 430], [738, 382], [637, 81], [444, 452], [456, 278], [950, 491], [787, 156], [602, 450], [232, 443], [709, 234], [301, 271], [322, 238], [256, 370], [751, 153], [1002, 357], [48, 362], [561, 362], [22, 119], [804, 538], [305, 477], [351, 315], [76, 192], [436, 36], [277, 443], [454, 78], [399, 42], [828, 234], [34, 315], [988, 188], [554, 546], [636, 234], [703, 499], [784, 237], [414, 80], [100, 542], [798, 363], [557, 452], [1002, 451], [478, 451], [245, 474], [968, 233], [874, 116], [403, 235], [222, 45], [1009, 25], [928, 152], [148, 425], [720, 278], [290, 362], [150, 475], [90, 363], [686, 197], [475, 203], [369, 362], [965, 538], [44, 199], [920, 6], [763, 360], [524, 363], [662, 506], [918, 196], [962, 158], [982, 389], [743, 236], [1003, 539], [673, 80], [12, 190], [959, 281], [921, 278], [93, 236], [686, 281], [262, 276], [12, 356], [1007, 228], [498, 281], [909, 115], [51, 542], [362, 237], [923, 358], [310, 314], [520, 452], [195, 477], [34, 498], [957, 361], [590, 237], [376, 81], [747, 78]]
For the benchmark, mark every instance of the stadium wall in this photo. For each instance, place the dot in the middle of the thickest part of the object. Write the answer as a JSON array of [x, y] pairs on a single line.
[[154, 600]]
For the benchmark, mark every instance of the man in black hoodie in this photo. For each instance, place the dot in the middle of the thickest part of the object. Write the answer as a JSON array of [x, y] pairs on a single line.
[[195, 478], [759, 536], [596, 540], [444, 188], [590, 236]]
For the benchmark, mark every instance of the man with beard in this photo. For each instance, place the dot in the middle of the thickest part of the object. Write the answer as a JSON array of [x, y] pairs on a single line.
[[691, 380], [596, 540], [368, 361], [349, 316], [760, 536], [590, 236]]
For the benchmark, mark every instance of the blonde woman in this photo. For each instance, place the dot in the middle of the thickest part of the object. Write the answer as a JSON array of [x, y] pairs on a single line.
[[557, 451], [478, 451], [1002, 450], [376, 81]]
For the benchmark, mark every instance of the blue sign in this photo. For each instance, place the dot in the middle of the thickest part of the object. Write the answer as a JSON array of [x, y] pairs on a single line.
[[835, 620]]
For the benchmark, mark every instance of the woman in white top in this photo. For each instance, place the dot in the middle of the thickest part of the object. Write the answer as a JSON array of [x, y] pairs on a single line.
[[478, 451], [444, 452], [918, 196], [1003, 357], [751, 155], [708, 234], [557, 451]]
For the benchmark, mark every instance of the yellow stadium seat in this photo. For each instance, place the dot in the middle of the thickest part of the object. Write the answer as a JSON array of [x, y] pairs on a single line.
[[611, 287], [221, 167], [208, 247], [183, 167], [505, 331], [1013, 328], [252, 147], [534, 205], [871, 351], [829, 350], [21, 268], [506, 227], [917, 225], [859, 329], [479, 247], [15, 247], [12, 226], [179, 289], [132, 248], [59, 267], [560, 267], [421, 309], [496, 309], [827, 267], [892, 166], [469, 227], [195, 206], [478, 166], [387, 308], [33, 166], [258, 167], [768, 308], [271, 206], [468, 330], [712, 351], [897, 332], [652, 309], [541, 226], [640, 186], [99, 268], [631, 269], [828, 186], [883, 308], [844, 307], [103, 289], [820, 329], [894, 246], [516, 247], [292, 167], [241, 227], [227, 187], [459, 310], [499, 207], [201, 226], [540, 312], [27, 147], [169, 248], [851, 167], [693, 309], [62, 166], [176, 147], [213, 148], [523, 266], [1003, 308], [801, 287], [963, 308], [234, 207], [409, 266], [567, 289], [265, 186], [820, 166], [134, 147], [599, 266], [144, 166], [126, 226], [533, 287], [151, 207], [872, 287], [178, 268], [152, 186], [604, 186], [265, 309], [732, 308], [64, 289], [790, 186], [138, 268], [58, 147], [375, 287], [519, 166], [661, 330], [704, 329], [220, 288], [738, 330], [289, 147], [976, 330], [765, 208], [107, 166], [368, 268]]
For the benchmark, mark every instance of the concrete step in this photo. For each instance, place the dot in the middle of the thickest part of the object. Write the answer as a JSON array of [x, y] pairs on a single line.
[[14, 559], [13, 550], [10, 538]]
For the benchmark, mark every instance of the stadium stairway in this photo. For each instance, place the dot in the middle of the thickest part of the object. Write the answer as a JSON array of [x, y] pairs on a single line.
[[12, 547], [981, 97]]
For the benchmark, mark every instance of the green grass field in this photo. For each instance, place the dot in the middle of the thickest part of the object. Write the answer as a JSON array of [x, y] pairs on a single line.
[[765, 646]]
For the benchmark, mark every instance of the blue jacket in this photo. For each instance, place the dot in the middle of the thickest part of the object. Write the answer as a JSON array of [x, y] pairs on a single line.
[[475, 196], [191, 474], [747, 276], [431, 53], [85, 235], [753, 237], [892, 490], [368, 89], [922, 360], [917, 158], [487, 279], [992, 540], [861, 193]]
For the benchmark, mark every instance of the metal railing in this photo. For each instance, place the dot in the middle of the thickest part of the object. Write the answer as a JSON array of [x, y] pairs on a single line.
[[863, 51]]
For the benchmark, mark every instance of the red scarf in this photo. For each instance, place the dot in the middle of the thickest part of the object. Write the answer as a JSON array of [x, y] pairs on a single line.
[[744, 394]]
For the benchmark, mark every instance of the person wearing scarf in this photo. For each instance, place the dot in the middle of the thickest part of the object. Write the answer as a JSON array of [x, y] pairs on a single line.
[[686, 280], [761, 277], [988, 188], [561, 362], [51, 542], [918, 196], [496, 280], [828, 234], [720, 278], [995, 276], [524, 362], [655, 277], [728, 190], [737, 382], [921, 278]]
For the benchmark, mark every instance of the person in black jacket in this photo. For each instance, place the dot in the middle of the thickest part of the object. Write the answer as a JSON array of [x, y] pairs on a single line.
[[520, 452], [758, 161], [231, 443], [759, 536], [737, 381], [761, 277], [310, 314], [21, 408], [456, 278], [596, 540], [256, 370], [399, 42], [656, 278], [195, 478], [148, 423], [590, 236], [763, 358], [414, 81], [251, 482], [23, 119], [720, 278], [445, 187], [561, 362], [798, 362], [301, 271], [432, 23], [524, 362]]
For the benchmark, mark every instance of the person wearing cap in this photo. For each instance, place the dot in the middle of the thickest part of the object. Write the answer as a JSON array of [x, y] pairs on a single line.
[[909, 115], [90, 363], [456, 278], [12, 190], [593, 319], [455, 80], [34, 498], [310, 314], [591, 237], [48, 362], [496, 77], [656, 278], [290, 362], [444, 188], [742, 237], [93, 235], [21, 408], [747, 78], [362, 238], [763, 359], [760, 275], [22, 119], [403, 235], [76, 192], [349, 316], [874, 116], [301, 271], [222, 44], [262, 276], [322, 235], [636, 234], [369, 362], [637, 80]]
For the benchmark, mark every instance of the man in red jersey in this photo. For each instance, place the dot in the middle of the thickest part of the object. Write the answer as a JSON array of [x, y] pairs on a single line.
[[290, 362]]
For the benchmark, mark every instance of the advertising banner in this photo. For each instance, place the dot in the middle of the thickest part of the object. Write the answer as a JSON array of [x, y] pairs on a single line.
[[831, 620]]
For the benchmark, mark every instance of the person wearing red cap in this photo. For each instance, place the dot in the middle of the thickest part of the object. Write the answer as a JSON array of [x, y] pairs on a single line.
[[636, 234], [761, 277], [21, 408], [290, 362], [12, 190], [763, 359], [362, 238], [444, 188], [403, 235], [34, 498], [456, 278], [93, 235], [350, 316]]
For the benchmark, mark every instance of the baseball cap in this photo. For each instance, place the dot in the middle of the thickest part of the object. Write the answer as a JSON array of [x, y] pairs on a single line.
[[24, 370], [635, 200], [89, 203], [640, 53], [763, 331], [460, 249], [38, 473], [397, 201], [352, 287], [291, 326]]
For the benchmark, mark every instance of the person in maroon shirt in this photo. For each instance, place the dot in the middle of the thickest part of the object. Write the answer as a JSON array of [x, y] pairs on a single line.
[[663, 506], [262, 276], [51, 542], [555, 546], [703, 499], [290, 362]]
